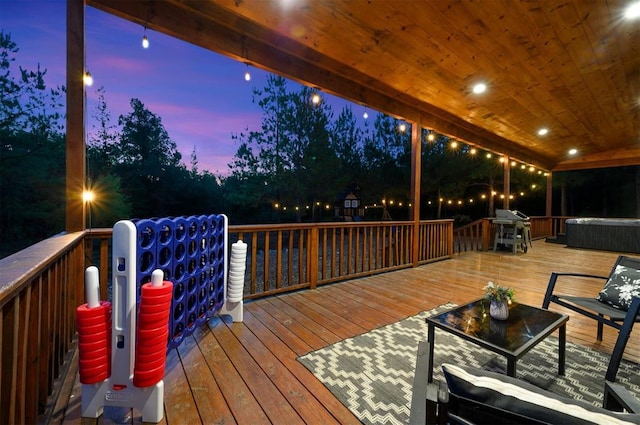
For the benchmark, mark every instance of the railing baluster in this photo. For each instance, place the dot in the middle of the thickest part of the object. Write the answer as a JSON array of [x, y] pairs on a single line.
[[279, 259]]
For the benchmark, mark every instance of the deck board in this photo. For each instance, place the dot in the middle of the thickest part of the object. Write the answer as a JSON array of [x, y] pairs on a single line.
[[248, 373], [206, 393]]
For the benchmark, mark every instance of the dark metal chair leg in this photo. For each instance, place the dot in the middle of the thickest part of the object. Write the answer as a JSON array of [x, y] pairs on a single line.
[[600, 326], [623, 337]]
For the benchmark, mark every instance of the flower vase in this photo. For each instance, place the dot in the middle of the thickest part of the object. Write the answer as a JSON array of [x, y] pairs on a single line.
[[499, 310]]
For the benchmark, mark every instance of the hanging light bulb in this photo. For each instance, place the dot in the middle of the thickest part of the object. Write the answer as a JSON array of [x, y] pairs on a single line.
[[87, 78], [315, 98], [365, 115], [145, 40], [247, 75]]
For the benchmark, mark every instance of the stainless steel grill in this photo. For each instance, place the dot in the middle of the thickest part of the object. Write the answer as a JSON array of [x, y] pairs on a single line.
[[513, 229]]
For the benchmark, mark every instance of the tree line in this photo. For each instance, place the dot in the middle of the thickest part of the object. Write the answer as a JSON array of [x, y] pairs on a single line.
[[296, 167]]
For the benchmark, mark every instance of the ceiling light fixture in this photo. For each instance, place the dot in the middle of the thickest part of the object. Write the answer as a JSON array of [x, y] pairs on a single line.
[[573, 151], [479, 88], [542, 131], [632, 11]]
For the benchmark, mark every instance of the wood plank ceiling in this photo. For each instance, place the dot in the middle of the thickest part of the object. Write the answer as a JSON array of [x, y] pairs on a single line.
[[572, 67]]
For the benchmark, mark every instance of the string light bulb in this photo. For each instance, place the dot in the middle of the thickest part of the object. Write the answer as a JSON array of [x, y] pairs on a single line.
[[365, 115], [87, 78], [145, 40], [247, 75], [315, 98]]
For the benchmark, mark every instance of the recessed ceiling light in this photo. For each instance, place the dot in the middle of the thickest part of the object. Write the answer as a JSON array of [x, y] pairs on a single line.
[[573, 151], [633, 11], [479, 88], [542, 131]]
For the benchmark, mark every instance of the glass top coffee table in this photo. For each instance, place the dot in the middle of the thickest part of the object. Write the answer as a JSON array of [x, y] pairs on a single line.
[[511, 338]]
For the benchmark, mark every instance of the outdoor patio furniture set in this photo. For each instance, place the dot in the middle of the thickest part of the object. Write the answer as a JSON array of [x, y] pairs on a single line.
[[472, 395]]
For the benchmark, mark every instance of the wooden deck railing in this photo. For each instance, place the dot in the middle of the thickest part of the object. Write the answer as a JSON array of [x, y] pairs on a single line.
[[294, 256], [41, 286]]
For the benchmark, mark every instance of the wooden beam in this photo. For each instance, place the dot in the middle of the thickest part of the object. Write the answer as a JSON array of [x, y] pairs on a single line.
[[613, 158], [75, 148]]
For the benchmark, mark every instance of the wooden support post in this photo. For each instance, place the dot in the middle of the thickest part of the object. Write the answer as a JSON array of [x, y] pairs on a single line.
[[549, 202], [416, 171], [75, 150], [507, 182]]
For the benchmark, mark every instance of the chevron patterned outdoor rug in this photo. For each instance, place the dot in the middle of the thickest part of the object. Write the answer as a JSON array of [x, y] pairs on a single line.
[[372, 373]]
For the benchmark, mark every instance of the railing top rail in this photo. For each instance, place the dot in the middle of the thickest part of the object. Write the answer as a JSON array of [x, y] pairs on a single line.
[[17, 269], [293, 226]]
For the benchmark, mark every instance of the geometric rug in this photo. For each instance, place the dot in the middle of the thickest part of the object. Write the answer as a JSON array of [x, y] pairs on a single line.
[[372, 374]]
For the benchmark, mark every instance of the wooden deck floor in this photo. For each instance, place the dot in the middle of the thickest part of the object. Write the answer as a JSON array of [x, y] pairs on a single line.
[[247, 373]]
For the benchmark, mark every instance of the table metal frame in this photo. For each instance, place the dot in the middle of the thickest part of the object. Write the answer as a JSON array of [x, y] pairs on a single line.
[[513, 355]]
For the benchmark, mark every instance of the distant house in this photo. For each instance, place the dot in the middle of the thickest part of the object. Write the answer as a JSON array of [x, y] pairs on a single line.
[[349, 208]]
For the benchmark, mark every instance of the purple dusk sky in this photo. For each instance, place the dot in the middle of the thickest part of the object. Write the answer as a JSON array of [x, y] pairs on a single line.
[[201, 96]]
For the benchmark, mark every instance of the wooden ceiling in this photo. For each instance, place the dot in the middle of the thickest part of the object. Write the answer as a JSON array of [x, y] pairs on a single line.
[[570, 66]]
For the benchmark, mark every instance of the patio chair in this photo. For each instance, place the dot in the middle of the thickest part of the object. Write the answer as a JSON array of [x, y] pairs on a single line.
[[608, 307], [476, 396]]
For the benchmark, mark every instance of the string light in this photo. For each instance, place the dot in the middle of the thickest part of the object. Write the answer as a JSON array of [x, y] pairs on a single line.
[[145, 40], [365, 115], [87, 78], [315, 98], [247, 75]]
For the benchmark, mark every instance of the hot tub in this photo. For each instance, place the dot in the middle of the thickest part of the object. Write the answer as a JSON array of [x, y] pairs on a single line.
[[608, 234]]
